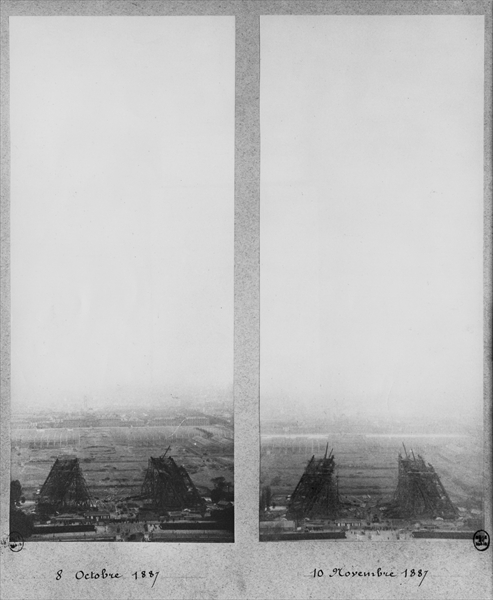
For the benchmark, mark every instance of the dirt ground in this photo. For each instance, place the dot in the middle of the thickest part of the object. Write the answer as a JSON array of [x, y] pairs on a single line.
[[114, 459], [367, 465]]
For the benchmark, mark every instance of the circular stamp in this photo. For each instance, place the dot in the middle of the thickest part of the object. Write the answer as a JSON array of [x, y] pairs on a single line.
[[481, 540], [16, 541]]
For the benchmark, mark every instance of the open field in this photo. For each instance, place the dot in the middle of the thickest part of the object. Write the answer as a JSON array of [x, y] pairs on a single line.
[[114, 459], [366, 465]]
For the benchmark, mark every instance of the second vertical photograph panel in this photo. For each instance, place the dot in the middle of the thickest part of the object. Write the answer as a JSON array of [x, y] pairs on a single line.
[[371, 393]]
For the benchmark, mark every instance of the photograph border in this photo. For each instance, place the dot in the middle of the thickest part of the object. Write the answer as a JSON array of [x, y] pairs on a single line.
[[248, 568]]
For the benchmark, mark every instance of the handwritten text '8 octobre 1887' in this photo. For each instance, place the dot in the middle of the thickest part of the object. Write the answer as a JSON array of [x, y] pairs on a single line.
[[109, 576]]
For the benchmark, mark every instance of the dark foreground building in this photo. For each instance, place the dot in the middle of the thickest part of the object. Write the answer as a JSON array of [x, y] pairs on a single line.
[[65, 489], [420, 493], [316, 495], [169, 487]]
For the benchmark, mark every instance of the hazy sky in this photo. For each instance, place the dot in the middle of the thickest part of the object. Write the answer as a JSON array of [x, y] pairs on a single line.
[[371, 213], [122, 206]]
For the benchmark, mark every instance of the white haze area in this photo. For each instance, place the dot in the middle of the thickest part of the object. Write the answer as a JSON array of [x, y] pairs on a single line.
[[122, 209], [372, 216]]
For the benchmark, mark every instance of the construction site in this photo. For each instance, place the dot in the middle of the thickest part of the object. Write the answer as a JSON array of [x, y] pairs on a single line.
[[165, 483], [420, 492], [64, 490], [169, 487], [316, 494], [347, 500]]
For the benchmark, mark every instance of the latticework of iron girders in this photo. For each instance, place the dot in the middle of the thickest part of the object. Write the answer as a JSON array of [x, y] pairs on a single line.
[[65, 487], [316, 495], [420, 493], [169, 486]]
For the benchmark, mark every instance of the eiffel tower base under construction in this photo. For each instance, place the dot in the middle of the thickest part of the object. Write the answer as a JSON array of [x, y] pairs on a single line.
[[316, 495], [420, 493], [169, 487], [64, 489]]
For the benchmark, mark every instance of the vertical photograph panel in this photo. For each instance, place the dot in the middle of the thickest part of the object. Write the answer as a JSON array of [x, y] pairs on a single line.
[[371, 342], [122, 215]]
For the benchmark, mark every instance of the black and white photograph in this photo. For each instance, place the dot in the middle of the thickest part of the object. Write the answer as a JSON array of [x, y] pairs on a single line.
[[246, 299], [371, 341], [122, 207]]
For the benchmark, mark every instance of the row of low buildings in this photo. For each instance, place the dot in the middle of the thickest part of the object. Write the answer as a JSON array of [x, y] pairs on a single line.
[[93, 421], [192, 421]]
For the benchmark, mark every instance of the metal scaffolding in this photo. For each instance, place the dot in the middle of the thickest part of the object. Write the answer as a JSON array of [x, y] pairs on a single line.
[[420, 493], [65, 488], [169, 486], [316, 495]]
